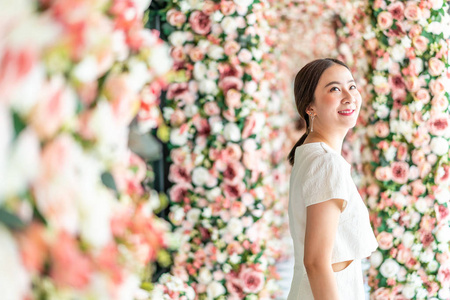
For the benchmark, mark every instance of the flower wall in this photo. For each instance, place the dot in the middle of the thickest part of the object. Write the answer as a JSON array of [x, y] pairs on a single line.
[[227, 165], [75, 219], [407, 158]]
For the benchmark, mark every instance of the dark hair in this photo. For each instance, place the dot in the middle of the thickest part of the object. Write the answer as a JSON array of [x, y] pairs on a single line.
[[304, 87]]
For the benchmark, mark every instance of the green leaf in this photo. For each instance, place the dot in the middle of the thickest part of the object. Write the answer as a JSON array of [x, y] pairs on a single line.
[[108, 181], [10, 220], [19, 124]]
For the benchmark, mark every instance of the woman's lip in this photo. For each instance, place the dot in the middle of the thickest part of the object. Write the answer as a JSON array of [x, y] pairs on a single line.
[[347, 112]]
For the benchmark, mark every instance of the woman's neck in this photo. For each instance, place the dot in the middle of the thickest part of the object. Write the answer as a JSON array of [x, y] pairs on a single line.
[[334, 141]]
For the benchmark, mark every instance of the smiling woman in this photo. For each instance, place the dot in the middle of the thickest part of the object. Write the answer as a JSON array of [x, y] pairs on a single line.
[[328, 220]]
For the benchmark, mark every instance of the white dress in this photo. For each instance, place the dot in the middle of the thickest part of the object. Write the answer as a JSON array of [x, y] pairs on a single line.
[[320, 174]]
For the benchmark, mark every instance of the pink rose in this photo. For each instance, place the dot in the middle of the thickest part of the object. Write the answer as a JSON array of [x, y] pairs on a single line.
[[438, 124], [415, 30], [420, 43], [203, 128], [383, 174], [405, 114], [177, 118], [178, 156], [196, 54], [181, 93], [424, 169], [178, 54], [229, 83], [33, 247], [400, 172], [440, 102], [233, 99], [396, 81], [234, 286], [179, 191], [402, 151], [227, 70], [381, 129], [418, 188], [443, 174], [385, 20], [56, 105], [232, 152], [385, 240], [211, 109], [423, 96], [176, 18], [412, 83], [234, 172], [403, 255], [227, 7], [252, 280], [245, 56], [412, 12], [238, 209], [396, 9], [437, 86], [233, 191], [200, 22], [435, 66], [70, 267], [179, 174], [231, 47], [249, 126]]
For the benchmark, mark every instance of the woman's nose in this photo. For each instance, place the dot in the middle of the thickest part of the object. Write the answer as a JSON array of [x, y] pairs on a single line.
[[348, 98]]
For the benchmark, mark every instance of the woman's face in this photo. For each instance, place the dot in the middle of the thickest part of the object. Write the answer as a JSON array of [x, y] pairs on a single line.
[[337, 100]]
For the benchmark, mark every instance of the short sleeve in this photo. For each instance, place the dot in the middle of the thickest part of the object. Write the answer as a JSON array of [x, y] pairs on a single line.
[[325, 178]]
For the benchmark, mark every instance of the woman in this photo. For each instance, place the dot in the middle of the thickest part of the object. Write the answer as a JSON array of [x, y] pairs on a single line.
[[328, 220]]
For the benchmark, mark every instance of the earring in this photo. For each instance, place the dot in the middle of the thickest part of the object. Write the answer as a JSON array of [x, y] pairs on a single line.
[[312, 122]]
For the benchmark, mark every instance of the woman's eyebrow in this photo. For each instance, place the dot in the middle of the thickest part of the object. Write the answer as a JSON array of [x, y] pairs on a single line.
[[337, 82]]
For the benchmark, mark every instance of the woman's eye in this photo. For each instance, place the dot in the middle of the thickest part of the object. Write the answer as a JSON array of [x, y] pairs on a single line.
[[353, 87], [333, 89]]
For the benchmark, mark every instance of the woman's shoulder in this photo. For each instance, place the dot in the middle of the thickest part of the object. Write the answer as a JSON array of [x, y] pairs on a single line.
[[318, 155]]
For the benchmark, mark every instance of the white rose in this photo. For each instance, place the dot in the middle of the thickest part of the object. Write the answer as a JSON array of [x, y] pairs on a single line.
[[86, 70], [399, 199], [250, 87], [442, 195], [235, 258], [177, 138], [215, 52], [235, 227], [257, 53], [439, 146], [432, 266], [408, 239], [23, 163], [221, 257], [444, 293], [193, 215], [231, 132], [229, 25], [383, 111], [376, 258], [389, 268], [200, 176], [204, 276], [408, 291], [216, 125], [25, 97], [177, 38], [208, 86], [443, 234], [379, 80], [167, 112], [245, 3], [245, 56], [15, 279], [421, 205], [190, 110], [214, 290], [138, 74], [398, 53], [437, 4], [199, 71], [418, 64], [212, 194], [382, 65]]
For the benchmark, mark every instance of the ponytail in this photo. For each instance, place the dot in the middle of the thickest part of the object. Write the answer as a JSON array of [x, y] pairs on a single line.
[[291, 156]]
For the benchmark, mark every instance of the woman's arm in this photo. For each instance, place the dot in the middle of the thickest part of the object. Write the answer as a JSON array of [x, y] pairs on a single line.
[[321, 226]]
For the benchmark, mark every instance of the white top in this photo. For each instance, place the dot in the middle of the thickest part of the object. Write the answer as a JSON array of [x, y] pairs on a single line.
[[320, 174]]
